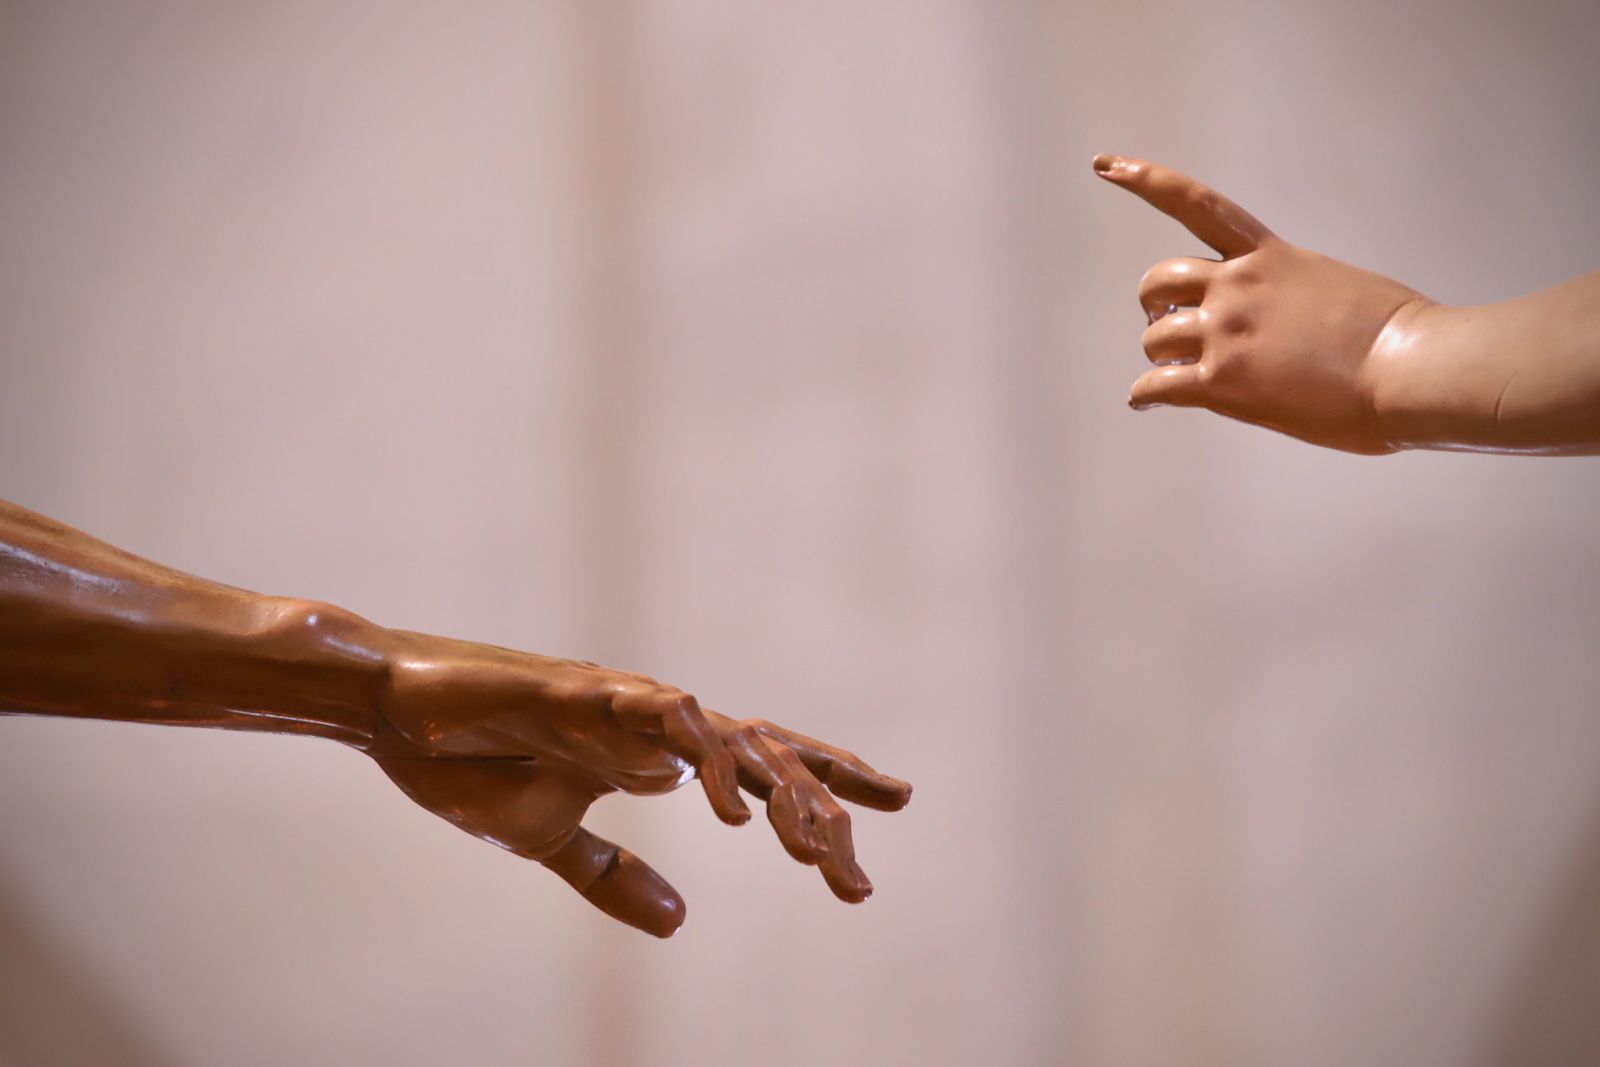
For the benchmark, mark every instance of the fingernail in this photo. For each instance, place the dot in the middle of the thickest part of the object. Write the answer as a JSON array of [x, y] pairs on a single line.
[[666, 920], [1104, 163]]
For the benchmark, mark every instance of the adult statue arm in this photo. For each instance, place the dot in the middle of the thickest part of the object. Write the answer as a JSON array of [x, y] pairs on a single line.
[[1282, 337], [511, 747]]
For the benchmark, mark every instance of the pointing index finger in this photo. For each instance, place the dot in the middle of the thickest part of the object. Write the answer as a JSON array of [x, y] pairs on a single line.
[[1209, 215]]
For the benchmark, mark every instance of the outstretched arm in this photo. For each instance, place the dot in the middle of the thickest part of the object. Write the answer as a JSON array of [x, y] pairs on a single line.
[[1285, 338], [89, 630], [510, 746]]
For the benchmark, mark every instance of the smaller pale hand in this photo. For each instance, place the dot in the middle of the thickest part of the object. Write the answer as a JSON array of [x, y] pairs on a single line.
[[1271, 334]]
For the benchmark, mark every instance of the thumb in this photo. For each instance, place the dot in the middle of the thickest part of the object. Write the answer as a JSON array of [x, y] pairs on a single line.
[[618, 883]]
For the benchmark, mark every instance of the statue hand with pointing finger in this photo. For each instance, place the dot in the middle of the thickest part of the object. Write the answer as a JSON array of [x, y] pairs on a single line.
[[1285, 338]]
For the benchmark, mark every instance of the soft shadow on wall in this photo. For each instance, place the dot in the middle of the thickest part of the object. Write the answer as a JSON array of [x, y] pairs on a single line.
[[1552, 1021], [52, 1012]]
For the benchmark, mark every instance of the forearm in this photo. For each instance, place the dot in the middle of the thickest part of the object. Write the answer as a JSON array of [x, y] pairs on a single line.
[[1518, 376], [88, 630]]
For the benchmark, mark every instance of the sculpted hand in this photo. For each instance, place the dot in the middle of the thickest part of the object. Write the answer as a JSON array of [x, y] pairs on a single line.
[[514, 747], [1271, 334], [509, 746]]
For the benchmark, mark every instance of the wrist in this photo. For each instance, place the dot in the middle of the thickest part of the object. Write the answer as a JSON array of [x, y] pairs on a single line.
[[1492, 378], [1415, 401], [311, 667]]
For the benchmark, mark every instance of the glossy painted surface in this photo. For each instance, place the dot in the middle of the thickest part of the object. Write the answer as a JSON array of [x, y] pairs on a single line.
[[1282, 337], [509, 746]]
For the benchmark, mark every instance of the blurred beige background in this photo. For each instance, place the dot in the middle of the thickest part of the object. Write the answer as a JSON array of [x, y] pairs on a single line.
[[779, 350]]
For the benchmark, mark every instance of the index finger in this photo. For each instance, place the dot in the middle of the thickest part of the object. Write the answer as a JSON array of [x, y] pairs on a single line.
[[848, 775], [1209, 215]]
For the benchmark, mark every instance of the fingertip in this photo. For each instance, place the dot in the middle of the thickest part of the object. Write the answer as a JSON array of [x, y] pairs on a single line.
[[888, 794], [741, 810], [847, 880], [794, 828], [810, 854], [720, 779], [733, 810], [668, 918], [803, 849], [661, 919], [1120, 170], [859, 891]]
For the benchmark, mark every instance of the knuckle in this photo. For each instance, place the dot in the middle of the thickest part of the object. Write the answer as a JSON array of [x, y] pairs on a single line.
[[1235, 322], [682, 703], [835, 821], [1243, 272]]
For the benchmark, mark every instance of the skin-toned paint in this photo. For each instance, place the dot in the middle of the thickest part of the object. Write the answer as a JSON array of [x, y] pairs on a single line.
[[1282, 337]]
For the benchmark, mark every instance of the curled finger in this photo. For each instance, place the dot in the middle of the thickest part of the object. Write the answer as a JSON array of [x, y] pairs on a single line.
[[675, 719], [1181, 385], [1175, 283], [839, 868], [776, 775], [1176, 338]]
